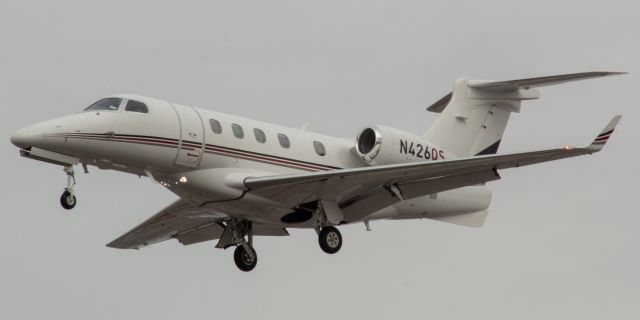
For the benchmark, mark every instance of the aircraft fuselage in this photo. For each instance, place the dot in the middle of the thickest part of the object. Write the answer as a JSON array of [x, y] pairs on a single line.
[[177, 146]]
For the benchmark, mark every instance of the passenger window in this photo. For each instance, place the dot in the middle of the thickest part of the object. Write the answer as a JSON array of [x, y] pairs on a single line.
[[237, 131], [110, 104], [215, 126], [320, 150], [284, 141], [136, 106], [260, 137]]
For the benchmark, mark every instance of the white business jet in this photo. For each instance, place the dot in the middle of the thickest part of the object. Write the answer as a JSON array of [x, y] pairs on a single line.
[[238, 178]]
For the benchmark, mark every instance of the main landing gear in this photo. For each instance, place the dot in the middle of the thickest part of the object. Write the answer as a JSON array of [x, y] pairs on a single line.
[[245, 255], [245, 258], [238, 232], [330, 239], [68, 198]]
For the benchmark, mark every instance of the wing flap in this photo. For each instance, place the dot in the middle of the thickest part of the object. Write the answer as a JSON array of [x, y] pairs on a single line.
[[209, 232], [214, 231]]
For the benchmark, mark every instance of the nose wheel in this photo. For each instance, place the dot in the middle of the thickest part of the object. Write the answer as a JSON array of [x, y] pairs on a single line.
[[68, 198], [330, 239]]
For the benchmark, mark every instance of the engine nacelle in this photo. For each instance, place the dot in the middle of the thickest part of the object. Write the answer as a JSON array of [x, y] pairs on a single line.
[[383, 145]]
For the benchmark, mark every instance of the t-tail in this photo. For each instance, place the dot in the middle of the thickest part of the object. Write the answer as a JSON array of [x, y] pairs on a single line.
[[474, 116]]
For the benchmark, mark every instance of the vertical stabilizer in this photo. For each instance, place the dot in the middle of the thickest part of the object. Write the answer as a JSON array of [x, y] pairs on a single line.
[[474, 116]]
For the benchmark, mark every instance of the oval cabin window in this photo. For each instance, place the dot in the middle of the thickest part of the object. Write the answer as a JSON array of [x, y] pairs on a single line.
[[319, 147], [260, 136], [284, 141], [237, 131], [215, 126]]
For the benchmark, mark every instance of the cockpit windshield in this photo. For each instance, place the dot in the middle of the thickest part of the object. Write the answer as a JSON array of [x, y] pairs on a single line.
[[111, 104]]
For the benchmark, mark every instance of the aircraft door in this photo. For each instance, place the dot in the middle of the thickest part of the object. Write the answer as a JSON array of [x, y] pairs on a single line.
[[191, 141]]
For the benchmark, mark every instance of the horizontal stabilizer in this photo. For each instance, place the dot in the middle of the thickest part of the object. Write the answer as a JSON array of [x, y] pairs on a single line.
[[515, 85], [537, 82]]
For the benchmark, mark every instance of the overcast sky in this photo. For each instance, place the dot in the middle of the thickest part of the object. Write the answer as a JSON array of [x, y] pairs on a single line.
[[561, 240]]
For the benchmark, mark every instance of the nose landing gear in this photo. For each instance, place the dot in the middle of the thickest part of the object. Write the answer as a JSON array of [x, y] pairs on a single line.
[[68, 198]]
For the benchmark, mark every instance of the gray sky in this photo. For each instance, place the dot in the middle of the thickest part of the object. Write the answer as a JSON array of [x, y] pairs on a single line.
[[560, 241]]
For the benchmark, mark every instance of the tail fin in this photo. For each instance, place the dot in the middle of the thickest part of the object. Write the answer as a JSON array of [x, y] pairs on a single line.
[[474, 116]]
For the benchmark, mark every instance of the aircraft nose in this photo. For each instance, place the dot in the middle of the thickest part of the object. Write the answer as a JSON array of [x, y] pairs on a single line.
[[23, 138]]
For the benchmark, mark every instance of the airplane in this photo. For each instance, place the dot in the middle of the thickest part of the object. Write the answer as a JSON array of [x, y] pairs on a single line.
[[237, 178]]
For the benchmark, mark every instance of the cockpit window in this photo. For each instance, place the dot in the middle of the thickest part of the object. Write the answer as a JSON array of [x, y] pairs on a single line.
[[111, 104], [136, 106]]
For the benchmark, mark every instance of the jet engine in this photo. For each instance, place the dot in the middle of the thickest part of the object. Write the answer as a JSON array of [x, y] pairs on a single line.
[[378, 145]]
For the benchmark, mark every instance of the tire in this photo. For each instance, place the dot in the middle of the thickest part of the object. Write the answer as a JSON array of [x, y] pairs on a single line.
[[67, 200], [330, 240], [243, 260]]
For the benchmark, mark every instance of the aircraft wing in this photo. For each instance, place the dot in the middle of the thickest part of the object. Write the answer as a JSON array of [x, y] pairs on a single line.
[[359, 192], [186, 223]]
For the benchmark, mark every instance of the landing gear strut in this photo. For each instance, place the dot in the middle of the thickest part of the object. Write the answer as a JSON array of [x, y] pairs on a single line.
[[68, 198], [330, 240], [244, 256]]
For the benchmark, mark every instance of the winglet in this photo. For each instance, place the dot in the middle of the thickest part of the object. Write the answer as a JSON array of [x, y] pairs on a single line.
[[599, 142]]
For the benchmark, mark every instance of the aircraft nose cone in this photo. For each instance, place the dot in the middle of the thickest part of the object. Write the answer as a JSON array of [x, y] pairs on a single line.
[[23, 138]]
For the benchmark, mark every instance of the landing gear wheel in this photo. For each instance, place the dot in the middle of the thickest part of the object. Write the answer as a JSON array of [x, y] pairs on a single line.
[[330, 240], [67, 200], [243, 259]]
